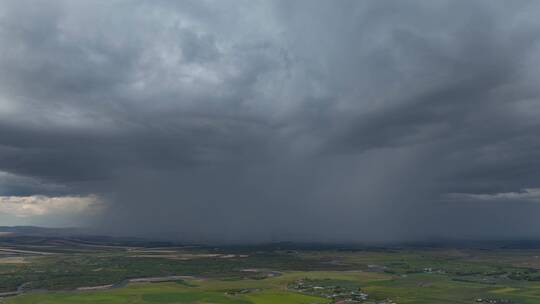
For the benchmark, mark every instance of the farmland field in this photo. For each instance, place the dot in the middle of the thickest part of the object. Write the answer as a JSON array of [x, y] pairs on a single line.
[[37, 270]]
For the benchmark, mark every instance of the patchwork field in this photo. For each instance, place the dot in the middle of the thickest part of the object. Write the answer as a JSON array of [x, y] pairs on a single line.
[[380, 288], [40, 271]]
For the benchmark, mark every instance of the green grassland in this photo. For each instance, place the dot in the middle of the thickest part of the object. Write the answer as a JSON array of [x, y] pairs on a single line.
[[52, 274], [412, 289]]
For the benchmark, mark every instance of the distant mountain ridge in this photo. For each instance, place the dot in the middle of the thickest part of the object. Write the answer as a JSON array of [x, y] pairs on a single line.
[[33, 234], [41, 231]]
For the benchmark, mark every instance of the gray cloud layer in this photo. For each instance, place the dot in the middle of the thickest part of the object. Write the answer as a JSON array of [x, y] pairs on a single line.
[[276, 120]]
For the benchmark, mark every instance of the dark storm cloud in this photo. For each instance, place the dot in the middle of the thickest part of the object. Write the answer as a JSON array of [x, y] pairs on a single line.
[[274, 120]]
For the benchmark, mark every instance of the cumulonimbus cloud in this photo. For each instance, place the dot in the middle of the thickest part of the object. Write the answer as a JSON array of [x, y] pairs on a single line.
[[271, 120]]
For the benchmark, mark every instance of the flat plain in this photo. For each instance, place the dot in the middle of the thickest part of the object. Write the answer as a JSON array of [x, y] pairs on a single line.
[[44, 270]]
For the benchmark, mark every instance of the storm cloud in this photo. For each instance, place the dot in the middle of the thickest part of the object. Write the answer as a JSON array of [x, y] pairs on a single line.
[[232, 121]]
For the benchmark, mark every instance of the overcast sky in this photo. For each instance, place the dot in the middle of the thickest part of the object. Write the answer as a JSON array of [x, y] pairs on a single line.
[[232, 121]]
